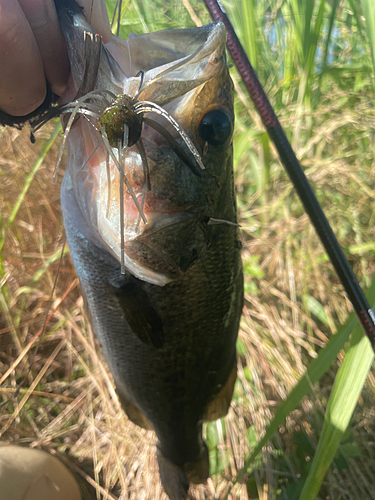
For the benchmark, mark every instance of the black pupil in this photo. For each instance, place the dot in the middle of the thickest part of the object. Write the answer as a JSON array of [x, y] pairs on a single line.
[[215, 128]]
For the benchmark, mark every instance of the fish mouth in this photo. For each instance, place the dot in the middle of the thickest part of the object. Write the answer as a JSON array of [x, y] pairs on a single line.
[[143, 252], [148, 214], [131, 195]]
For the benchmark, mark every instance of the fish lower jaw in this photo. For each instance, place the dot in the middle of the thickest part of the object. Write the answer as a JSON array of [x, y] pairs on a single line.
[[139, 271], [111, 236]]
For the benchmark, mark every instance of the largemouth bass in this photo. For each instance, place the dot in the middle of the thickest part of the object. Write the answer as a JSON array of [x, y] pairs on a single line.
[[150, 217]]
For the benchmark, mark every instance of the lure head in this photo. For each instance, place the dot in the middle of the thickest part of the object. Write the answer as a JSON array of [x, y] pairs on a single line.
[[116, 115]]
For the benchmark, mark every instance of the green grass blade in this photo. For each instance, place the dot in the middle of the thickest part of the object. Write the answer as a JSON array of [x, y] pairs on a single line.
[[316, 308], [249, 19], [344, 396], [357, 10], [315, 371], [369, 13], [329, 34], [25, 291], [314, 38], [311, 37], [297, 17], [361, 248], [28, 182]]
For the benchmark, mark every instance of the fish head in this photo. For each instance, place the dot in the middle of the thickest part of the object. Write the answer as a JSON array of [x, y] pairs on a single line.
[[150, 155]]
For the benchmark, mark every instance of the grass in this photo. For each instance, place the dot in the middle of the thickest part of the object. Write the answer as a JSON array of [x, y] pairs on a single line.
[[316, 62]]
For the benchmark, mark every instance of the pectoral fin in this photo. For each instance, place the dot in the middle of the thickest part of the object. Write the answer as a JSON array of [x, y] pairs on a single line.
[[138, 310]]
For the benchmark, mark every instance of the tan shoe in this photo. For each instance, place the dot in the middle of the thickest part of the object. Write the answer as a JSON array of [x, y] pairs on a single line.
[[30, 474]]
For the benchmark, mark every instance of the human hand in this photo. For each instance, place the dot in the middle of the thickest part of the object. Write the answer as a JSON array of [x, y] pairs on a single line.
[[32, 50]]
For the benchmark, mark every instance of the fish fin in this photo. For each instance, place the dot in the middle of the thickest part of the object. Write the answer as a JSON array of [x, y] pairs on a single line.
[[133, 413], [176, 479], [138, 311], [197, 472], [173, 478], [219, 405]]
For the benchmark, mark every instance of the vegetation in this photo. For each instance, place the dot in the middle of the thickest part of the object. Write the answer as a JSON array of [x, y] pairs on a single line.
[[316, 60]]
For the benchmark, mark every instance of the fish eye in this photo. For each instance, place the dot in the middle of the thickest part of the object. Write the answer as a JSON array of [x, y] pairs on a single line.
[[215, 127]]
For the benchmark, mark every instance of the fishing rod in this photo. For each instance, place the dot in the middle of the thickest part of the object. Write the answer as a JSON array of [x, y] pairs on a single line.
[[288, 158]]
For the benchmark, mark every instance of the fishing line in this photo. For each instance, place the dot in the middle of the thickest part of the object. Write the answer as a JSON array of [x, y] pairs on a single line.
[[109, 195], [117, 164], [146, 178], [288, 158], [122, 147]]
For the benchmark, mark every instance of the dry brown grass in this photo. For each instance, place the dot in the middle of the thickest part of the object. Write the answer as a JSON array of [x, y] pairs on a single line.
[[60, 397]]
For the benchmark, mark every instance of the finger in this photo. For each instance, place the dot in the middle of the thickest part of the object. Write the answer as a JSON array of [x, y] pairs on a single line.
[[22, 81], [42, 17], [96, 13]]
